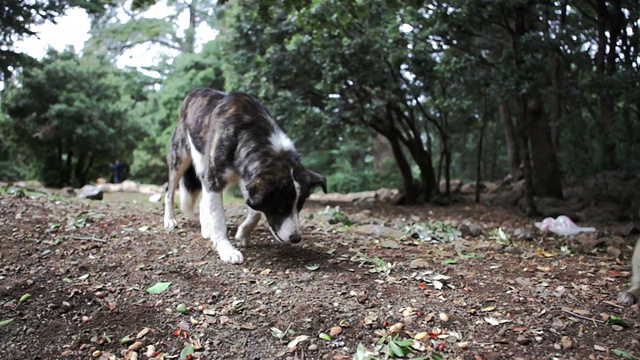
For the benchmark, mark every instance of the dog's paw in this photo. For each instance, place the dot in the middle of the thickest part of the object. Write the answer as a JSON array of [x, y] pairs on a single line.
[[627, 298], [242, 240], [170, 223], [229, 254]]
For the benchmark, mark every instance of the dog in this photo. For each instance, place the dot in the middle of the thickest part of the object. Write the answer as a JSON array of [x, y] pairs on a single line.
[[224, 138]]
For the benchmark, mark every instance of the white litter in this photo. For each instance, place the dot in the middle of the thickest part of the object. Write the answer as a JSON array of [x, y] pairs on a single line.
[[562, 225]]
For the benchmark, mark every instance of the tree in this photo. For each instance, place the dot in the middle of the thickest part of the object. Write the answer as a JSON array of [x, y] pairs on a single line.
[[345, 60], [18, 18], [69, 115]]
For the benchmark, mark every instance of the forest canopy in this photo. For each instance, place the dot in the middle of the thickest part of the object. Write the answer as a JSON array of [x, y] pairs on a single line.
[[375, 94]]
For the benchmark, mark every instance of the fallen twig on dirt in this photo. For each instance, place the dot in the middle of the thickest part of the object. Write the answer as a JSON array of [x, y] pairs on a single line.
[[93, 238], [582, 317]]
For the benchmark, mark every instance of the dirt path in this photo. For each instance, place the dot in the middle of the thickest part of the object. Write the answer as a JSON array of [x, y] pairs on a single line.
[[87, 266]]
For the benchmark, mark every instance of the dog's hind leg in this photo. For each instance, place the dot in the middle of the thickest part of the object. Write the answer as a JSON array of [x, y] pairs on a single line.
[[189, 189], [213, 226], [178, 161], [243, 235]]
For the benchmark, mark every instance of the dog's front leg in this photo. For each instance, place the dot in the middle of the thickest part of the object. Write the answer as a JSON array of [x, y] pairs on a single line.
[[213, 226], [246, 228]]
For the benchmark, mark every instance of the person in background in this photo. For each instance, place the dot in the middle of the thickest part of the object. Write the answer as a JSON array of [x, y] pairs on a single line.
[[117, 169]]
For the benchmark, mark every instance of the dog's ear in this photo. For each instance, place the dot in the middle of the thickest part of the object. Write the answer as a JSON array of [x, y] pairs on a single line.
[[256, 191], [315, 179]]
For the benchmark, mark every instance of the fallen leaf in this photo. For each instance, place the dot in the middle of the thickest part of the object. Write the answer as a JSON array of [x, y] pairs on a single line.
[[488, 308], [143, 332], [6, 322], [297, 340], [186, 352], [543, 253], [158, 288], [24, 298], [312, 267]]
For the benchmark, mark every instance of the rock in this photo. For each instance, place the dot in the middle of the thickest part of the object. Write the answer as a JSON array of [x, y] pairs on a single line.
[[605, 212], [155, 198], [108, 187], [390, 244], [67, 191], [470, 229], [454, 186], [552, 207], [129, 186], [378, 231], [91, 192], [418, 263], [630, 229], [388, 195], [150, 189], [381, 195]]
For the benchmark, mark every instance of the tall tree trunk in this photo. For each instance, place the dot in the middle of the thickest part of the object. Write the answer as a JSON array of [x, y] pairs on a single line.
[[190, 33], [66, 179], [512, 141], [547, 179], [479, 152], [411, 191], [523, 124], [609, 26], [79, 173], [556, 101]]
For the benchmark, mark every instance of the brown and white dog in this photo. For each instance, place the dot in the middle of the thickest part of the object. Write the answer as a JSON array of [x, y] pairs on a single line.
[[225, 138]]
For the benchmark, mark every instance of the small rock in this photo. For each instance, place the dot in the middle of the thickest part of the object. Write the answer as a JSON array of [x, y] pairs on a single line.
[[444, 317], [389, 244], [470, 229], [629, 229], [523, 340], [378, 231], [313, 347], [418, 263], [335, 331], [91, 192]]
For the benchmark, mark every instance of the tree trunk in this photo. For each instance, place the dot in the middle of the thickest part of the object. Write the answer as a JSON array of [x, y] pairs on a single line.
[[547, 179], [512, 141], [609, 26], [190, 33], [479, 152], [411, 191], [523, 122], [66, 179]]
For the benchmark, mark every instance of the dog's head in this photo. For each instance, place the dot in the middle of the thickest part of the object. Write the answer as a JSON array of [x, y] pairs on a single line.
[[281, 197]]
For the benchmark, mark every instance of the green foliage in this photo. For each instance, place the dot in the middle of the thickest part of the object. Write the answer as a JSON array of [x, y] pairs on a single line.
[[160, 112], [18, 18], [68, 117]]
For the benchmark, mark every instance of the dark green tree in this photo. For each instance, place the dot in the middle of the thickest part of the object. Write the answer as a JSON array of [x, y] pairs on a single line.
[[69, 116], [18, 17]]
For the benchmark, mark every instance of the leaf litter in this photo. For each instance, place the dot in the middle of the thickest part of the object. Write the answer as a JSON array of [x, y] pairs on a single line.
[[466, 298]]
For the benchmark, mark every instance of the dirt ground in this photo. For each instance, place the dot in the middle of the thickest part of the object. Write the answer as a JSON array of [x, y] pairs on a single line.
[[367, 282]]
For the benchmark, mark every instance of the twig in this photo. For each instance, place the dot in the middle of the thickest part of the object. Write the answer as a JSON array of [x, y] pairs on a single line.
[[582, 317], [93, 238]]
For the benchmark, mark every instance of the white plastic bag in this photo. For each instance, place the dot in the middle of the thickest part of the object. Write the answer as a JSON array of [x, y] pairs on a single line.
[[562, 225]]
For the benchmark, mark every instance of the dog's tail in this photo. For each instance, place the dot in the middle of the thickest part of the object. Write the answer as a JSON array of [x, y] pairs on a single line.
[[190, 187]]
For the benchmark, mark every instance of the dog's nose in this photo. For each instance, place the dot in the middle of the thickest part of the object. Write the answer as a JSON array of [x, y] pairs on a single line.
[[295, 238]]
